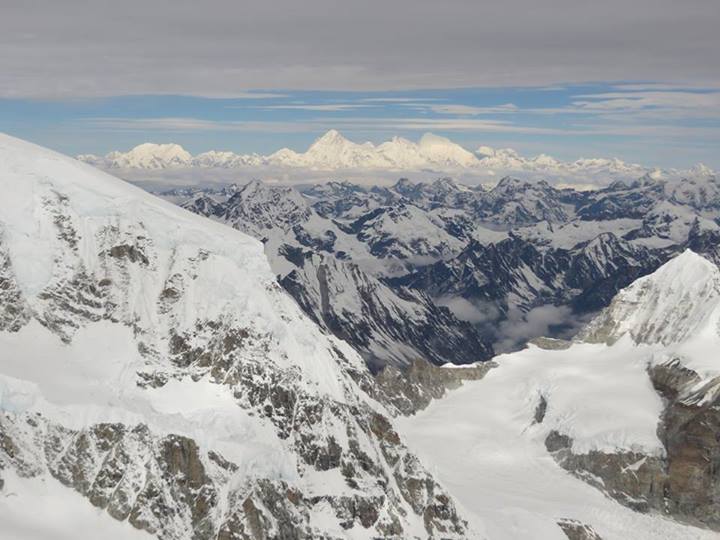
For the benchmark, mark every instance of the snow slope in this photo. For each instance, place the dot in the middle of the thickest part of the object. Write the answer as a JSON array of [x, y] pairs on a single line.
[[676, 308], [493, 459], [63, 512]]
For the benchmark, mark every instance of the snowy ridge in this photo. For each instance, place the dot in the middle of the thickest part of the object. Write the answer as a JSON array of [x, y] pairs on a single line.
[[334, 152], [679, 301]]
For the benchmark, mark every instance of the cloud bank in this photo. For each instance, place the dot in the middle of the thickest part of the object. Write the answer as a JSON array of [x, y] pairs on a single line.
[[224, 47]]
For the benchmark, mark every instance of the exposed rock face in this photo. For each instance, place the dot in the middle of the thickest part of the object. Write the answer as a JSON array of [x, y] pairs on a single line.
[[412, 389], [551, 343], [388, 327], [170, 487], [689, 431], [576, 530], [684, 483], [634, 479]]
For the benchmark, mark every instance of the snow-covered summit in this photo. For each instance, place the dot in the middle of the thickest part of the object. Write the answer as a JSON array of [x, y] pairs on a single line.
[[151, 156], [60, 218], [677, 303]]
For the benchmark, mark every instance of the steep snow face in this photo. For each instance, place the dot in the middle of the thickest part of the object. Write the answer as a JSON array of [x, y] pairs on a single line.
[[63, 221], [678, 302], [403, 153], [257, 208], [443, 151], [151, 363]]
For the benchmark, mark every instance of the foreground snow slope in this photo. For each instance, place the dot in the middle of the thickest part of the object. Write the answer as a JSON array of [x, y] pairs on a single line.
[[150, 362], [493, 459], [63, 512], [492, 456]]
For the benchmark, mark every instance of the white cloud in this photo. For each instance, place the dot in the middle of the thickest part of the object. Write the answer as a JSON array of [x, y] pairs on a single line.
[[467, 110], [547, 320], [325, 107]]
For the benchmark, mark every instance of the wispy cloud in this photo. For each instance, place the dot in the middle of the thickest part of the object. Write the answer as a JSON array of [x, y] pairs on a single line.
[[469, 110], [326, 107], [649, 100], [399, 100], [588, 128], [190, 125], [316, 124], [256, 95]]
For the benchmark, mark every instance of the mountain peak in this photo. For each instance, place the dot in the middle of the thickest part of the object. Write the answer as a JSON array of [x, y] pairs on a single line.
[[677, 302], [701, 170], [332, 138]]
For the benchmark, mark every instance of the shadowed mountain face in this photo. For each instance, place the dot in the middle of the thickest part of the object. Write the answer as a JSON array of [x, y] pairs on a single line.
[[399, 271]]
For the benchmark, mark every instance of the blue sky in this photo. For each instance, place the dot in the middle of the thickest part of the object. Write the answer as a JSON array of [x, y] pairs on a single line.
[[648, 123]]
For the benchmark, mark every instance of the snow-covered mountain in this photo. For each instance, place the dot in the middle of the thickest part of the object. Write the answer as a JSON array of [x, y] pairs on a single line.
[[507, 159], [152, 367], [144, 156], [634, 420], [517, 260], [334, 152]]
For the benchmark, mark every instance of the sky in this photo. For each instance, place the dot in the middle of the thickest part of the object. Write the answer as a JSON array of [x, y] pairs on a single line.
[[637, 80]]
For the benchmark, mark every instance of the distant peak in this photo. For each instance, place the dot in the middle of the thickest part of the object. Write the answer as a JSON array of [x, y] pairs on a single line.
[[430, 139], [331, 137], [701, 170]]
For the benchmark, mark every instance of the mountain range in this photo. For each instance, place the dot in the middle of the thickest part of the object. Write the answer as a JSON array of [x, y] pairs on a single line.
[[333, 152], [402, 271]]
